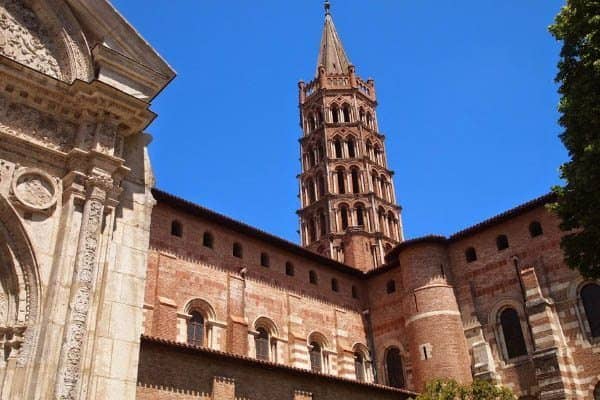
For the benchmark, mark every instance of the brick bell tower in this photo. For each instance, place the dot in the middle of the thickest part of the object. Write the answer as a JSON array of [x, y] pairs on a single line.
[[348, 204]]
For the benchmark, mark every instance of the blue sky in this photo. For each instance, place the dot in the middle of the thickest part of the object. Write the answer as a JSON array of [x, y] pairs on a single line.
[[466, 92]]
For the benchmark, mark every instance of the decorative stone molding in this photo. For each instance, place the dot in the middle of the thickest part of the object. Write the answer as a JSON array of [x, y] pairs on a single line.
[[34, 189], [23, 39]]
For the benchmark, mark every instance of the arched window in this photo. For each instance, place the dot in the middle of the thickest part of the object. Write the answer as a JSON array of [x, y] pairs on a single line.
[[385, 194], [369, 150], [319, 118], [262, 343], [208, 240], [360, 215], [369, 120], [394, 369], [176, 228], [312, 232], [195, 329], [361, 114], [311, 158], [390, 286], [346, 112], [341, 181], [311, 122], [322, 223], [335, 285], [590, 298], [311, 191], [355, 181], [351, 148], [316, 357], [354, 292], [502, 242], [337, 148], [535, 229], [237, 250], [378, 155], [375, 181], [471, 254], [359, 366], [392, 225], [335, 114], [312, 277], [514, 340], [289, 269], [264, 260], [344, 217], [321, 185]]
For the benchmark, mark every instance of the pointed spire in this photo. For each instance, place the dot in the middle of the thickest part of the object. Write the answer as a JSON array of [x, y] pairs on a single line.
[[331, 54]]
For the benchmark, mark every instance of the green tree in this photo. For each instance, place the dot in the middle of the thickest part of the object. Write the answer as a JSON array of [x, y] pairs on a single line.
[[448, 389], [578, 202]]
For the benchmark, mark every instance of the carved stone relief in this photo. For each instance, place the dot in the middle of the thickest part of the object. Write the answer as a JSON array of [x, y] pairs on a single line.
[[28, 123], [23, 38], [34, 189]]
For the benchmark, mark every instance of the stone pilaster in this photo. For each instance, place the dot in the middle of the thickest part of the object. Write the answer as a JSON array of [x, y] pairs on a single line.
[[82, 289]]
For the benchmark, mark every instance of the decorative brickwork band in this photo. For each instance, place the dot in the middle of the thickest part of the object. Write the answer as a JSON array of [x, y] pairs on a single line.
[[82, 292]]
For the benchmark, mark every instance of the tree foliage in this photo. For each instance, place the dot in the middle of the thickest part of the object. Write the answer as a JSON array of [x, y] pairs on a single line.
[[578, 202], [448, 389]]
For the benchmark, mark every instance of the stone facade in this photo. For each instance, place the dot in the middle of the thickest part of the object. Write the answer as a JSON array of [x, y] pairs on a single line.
[[110, 289], [74, 189]]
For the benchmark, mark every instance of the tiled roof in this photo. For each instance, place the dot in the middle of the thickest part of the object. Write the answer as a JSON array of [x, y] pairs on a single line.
[[263, 364]]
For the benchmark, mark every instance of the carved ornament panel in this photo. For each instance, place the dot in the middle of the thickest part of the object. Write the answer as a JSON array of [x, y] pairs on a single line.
[[34, 189], [23, 39]]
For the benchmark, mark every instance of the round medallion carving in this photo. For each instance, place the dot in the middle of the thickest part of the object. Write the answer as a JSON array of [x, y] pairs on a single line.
[[35, 190]]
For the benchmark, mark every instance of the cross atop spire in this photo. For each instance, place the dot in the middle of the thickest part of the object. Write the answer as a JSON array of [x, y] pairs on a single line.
[[331, 53]]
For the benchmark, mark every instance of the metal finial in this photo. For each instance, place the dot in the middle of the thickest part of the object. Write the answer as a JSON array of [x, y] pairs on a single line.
[[327, 7]]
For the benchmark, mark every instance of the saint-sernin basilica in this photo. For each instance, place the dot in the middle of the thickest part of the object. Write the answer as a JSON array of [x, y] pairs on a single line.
[[113, 289]]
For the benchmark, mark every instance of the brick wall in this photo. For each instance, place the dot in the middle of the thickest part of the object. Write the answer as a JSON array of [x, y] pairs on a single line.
[[186, 373]]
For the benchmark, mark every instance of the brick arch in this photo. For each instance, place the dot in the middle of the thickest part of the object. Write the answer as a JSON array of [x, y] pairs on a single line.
[[201, 305], [266, 323], [316, 336]]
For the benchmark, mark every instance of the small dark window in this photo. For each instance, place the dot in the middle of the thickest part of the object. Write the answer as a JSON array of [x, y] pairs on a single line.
[[395, 373], [359, 367], [513, 334], [337, 145], [208, 240], [262, 344], [237, 250], [176, 229], [316, 357], [471, 254], [344, 215], [346, 113], [335, 115], [502, 242], [597, 392], [360, 216], [535, 229], [289, 269], [322, 223], [341, 178], [264, 259], [312, 277], [355, 181], [195, 329], [351, 148], [391, 286], [590, 297], [335, 285], [354, 292]]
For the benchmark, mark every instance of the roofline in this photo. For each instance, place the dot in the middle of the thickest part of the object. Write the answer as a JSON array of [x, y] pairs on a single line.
[[265, 364], [197, 210], [504, 216], [390, 258]]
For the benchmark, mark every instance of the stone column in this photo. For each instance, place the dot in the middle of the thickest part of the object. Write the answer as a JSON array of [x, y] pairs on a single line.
[[82, 289]]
